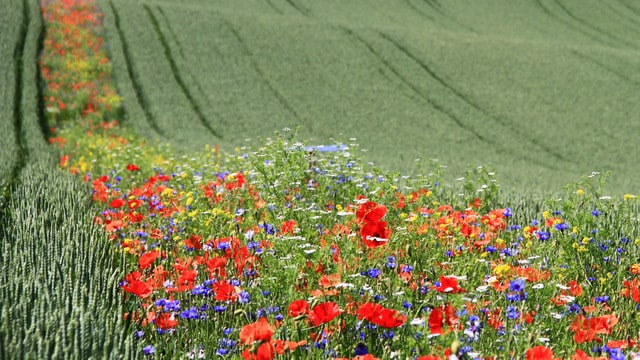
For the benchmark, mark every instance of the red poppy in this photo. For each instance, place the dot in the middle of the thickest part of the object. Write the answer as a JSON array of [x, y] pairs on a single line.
[[266, 351], [581, 355], [166, 321], [539, 353], [298, 307], [288, 227], [375, 234], [132, 167], [439, 317], [281, 346], [260, 330], [381, 316], [323, 313], [147, 259], [631, 289], [371, 212], [448, 284], [587, 329], [116, 203], [139, 288], [224, 291]]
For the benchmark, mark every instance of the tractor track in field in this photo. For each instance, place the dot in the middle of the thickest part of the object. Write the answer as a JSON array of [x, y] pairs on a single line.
[[173, 34], [18, 125], [135, 82], [631, 8], [469, 101], [263, 77], [42, 118], [177, 76], [425, 98], [630, 19], [419, 11], [437, 7], [606, 67], [194, 79], [595, 28], [350, 33], [302, 10], [280, 12], [569, 25]]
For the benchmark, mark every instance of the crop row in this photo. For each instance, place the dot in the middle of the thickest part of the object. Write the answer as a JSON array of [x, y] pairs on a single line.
[[53, 305], [530, 93]]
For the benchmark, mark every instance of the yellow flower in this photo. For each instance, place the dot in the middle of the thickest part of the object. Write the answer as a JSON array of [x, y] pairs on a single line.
[[630, 196], [580, 192], [502, 269]]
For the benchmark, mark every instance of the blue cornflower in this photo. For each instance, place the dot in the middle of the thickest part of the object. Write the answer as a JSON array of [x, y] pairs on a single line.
[[192, 313], [244, 297], [490, 249], [507, 212], [361, 349], [223, 245], [391, 262], [200, 290], [544, 235], [406, 304], [574, 308], [172, 305], [562, 226], [616, 354], [513, 313], [512, 297], [517, 285], [602, 299], [596, 213], [149, 350], [373, 273]]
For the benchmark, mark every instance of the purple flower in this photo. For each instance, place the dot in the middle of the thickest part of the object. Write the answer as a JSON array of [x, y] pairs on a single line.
[[517, 285], [149, 350]]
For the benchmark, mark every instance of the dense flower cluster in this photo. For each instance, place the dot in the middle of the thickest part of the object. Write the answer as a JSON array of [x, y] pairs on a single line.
[[286, 252]]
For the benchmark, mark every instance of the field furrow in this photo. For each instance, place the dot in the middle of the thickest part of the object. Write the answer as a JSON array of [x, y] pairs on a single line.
[[299, 8], [206, 123], [261, 74], [274, 8], [18, 110], [502, 70], [140, 96], [596, 29], [506, 124], [568, 24], [603, 66], [170, 29], [416, 91]]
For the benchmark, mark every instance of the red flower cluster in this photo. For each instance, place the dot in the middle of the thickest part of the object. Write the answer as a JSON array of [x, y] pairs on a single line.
[[381, 316], [373, 231]]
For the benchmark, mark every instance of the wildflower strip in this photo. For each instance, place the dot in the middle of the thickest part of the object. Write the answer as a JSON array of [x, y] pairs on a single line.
[[282, 251]]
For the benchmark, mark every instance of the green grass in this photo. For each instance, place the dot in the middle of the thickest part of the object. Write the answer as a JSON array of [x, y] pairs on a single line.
[[540, 89], [53, 305], [12, 34]]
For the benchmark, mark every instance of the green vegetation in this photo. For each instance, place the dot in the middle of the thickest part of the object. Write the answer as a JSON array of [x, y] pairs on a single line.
[[53, 304], [540, 89], [543, 90]]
